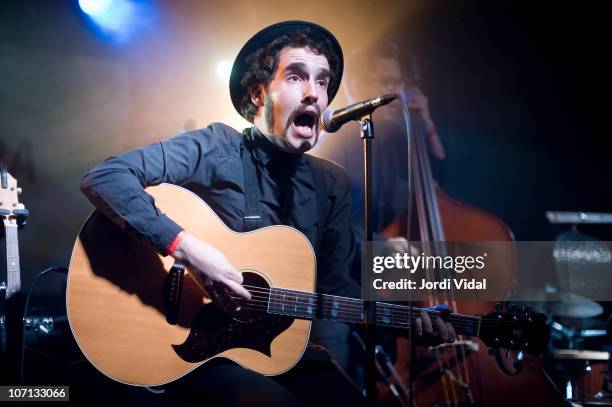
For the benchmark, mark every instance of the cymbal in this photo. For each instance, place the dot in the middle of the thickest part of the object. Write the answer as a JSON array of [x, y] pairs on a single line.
[[560, 304], [578, 217], [576, 306]]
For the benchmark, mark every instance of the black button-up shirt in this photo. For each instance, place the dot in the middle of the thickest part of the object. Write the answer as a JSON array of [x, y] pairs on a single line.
[[208, 162]]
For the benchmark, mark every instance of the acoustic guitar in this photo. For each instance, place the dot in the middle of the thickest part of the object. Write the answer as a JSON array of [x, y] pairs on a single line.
[[140, 319]]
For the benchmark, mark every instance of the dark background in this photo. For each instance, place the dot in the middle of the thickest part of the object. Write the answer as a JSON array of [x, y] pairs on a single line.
[[518, 92]]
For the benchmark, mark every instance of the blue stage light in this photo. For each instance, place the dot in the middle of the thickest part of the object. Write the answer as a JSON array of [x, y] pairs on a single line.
[[95, 8], [118, 20]]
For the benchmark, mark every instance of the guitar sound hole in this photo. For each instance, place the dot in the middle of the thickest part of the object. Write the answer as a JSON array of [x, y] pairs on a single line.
[[256, 307]]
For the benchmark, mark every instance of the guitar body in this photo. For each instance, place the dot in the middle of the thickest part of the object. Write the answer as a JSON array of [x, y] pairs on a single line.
[[118, 290]]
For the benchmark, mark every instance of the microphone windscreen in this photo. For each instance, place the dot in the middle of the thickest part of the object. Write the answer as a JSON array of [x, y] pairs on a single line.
[[326, 122]]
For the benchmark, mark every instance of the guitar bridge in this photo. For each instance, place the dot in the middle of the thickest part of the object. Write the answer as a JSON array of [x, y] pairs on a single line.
[[172, 292]]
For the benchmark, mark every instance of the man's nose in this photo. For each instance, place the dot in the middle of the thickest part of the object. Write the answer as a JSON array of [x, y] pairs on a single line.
[[310, 92]]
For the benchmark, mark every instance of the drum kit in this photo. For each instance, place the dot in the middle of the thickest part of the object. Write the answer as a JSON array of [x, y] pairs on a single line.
[[580, 357]]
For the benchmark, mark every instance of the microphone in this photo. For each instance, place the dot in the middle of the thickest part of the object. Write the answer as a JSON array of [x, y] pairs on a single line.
[[332, 120]]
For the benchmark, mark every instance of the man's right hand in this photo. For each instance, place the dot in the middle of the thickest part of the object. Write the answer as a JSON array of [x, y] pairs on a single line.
[[211, 270]]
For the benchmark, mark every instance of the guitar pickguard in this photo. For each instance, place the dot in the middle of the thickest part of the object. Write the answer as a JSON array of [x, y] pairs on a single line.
[[213, 331]]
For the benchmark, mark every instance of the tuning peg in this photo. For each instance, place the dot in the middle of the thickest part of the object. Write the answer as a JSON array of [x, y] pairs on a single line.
[[498, 307], [512, 308], [19, 191], [520, 355]]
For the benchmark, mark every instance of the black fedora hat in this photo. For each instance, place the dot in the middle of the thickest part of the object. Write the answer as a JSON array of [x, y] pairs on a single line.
[[266, 36]]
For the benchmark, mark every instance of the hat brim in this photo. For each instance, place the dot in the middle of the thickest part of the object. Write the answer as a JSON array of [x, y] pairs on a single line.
[[264, 37]]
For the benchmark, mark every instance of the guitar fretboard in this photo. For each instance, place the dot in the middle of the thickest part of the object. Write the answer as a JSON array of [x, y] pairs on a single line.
[[306, 305], [11, 254]]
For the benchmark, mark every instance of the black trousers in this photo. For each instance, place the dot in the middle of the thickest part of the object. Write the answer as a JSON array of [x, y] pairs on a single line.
[[225, 383]]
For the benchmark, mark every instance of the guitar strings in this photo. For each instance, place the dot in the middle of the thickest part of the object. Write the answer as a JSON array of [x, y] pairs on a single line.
[[352, 315], [346, 303], [354, 308], [397, 324], [401, 309]]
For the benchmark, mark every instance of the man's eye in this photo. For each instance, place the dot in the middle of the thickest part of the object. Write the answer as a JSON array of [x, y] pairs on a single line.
[[322, 82], [293, 78]]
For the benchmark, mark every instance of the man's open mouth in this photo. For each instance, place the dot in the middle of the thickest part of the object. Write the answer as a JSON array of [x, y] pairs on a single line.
[[305, 124]]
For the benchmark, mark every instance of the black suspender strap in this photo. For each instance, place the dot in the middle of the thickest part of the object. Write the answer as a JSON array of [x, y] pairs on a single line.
[[322, 196], [252, 214]]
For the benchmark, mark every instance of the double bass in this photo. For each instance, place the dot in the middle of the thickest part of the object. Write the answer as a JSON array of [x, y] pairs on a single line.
[[465, 373]]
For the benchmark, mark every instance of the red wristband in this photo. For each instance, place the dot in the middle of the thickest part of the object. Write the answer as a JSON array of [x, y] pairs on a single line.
[[174, 244]]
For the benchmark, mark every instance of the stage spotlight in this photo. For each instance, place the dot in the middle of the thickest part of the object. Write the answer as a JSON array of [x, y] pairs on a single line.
[[118, 19], [224, 69], [95, 8]]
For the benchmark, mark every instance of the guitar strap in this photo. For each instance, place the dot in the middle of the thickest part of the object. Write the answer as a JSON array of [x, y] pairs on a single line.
[[252, 214]]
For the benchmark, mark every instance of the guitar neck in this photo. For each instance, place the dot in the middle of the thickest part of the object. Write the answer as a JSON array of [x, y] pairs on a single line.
[[11, 254], [304, 305], [13, 323]]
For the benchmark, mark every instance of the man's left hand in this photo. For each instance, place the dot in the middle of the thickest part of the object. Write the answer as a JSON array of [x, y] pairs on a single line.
[[433, 333]]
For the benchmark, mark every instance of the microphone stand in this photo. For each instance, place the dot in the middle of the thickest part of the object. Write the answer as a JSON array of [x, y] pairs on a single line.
[[333, 122], [367, 135]]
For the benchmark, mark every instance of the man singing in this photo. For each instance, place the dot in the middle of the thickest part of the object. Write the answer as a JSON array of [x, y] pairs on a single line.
[[282, 80]]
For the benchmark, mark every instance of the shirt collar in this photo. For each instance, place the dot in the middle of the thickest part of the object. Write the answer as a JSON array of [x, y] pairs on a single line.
[[266, 151]]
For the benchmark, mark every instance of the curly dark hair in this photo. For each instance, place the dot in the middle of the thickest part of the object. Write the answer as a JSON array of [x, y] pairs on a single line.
[[264, 61]]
